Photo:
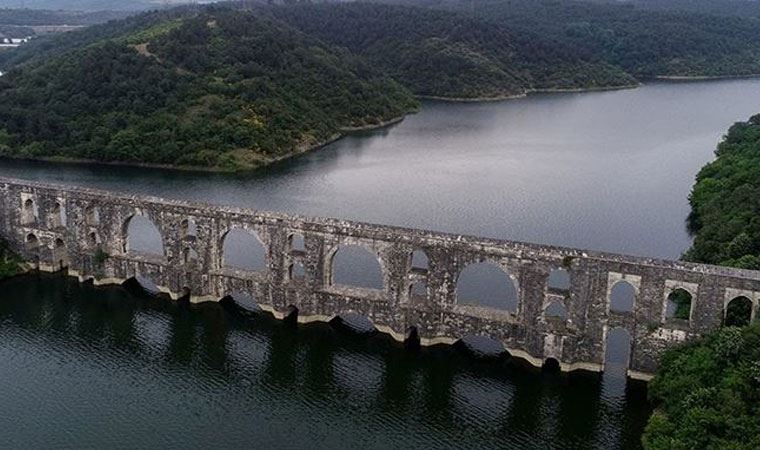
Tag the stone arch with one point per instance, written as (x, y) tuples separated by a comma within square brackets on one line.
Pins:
[(189, 228), (60, 253), (678, 304), (92, 215), (487, 284), (243, 300), (618, 349), (354, 322), (244, 249), (28, 211), (32, 241), (93, 239), (356, 265), (738, 312), (559, 279), (556, 310), (551, 365), (622, 297), (296, 242), (189, 255), (57, 215), (418, 260), (296, 271), (142, 235)]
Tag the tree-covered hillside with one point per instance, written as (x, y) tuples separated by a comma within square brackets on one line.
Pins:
[(442, 54), (222, 88), (725, 202), (642, 42)]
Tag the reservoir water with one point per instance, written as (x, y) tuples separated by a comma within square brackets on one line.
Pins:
[(606, 171)]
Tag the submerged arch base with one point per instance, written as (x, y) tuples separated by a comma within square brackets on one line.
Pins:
[(400, 337)]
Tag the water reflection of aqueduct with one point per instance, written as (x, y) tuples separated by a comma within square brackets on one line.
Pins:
[(542, 303)]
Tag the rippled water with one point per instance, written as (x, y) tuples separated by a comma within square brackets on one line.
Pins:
[(99, 368)]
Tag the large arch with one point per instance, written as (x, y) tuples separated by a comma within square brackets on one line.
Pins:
[(738, 312), (143, 236), (617, 349), (354, 265), (678, 304), (487, 285), (243, 249)]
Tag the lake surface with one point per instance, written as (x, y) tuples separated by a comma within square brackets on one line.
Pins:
[(99, 368), (606, 171)]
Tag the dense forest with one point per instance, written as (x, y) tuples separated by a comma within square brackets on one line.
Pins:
[(221, 89), (725, 202), (642, 42), (707, 394), (440, 54)]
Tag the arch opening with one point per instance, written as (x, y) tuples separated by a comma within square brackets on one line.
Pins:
[(738, 312), (58, 216), (244, 300), (32, 241), (296, 271), (143, 236), (189, 228), (678, 305), (28, 212), (418, 290), (92, 215), (242, 249), (142, 285), (60, 254), (482, 346), (296, 242), (556, 310), (622, 297), (353, 265), (487, 285), (617, 351), (354, 323), (551, 365), (93, 239), (559, 280), (419, 260)]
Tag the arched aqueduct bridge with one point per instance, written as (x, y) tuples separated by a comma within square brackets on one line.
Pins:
[(567, 301)]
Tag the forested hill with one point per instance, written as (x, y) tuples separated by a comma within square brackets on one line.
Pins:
[(217, 89), (644, 43), (440, 54), (725, 202)]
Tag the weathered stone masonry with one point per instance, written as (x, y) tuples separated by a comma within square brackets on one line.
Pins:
[(61, 228)]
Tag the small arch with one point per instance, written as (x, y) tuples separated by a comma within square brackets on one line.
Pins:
[(617, 349), (296, 242), (59, 244), (412, 340), (243, 249), (418, 290), (93, 239), (353, 322), (58, 216), (487, 285), (92, 215), (551, 365), (142, 235), (296, 271), (559, 279), (244, 300), (419, 260), (556, 309), (189, 228), (678, 305), (622, 297), (32, 240), (190, 255), (291, 315), (353, 265), (28, 212), (738, 312), (482, 346)]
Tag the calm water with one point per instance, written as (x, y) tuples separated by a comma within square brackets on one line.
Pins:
[(607, 171), (87, 368)]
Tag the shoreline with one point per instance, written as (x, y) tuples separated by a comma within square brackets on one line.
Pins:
[(528, 93), (342, 132), (687, 78)]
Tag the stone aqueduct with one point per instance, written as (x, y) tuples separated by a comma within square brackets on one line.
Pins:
[(84, 232)]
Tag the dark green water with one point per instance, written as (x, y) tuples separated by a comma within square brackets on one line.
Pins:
[(100, 368)]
